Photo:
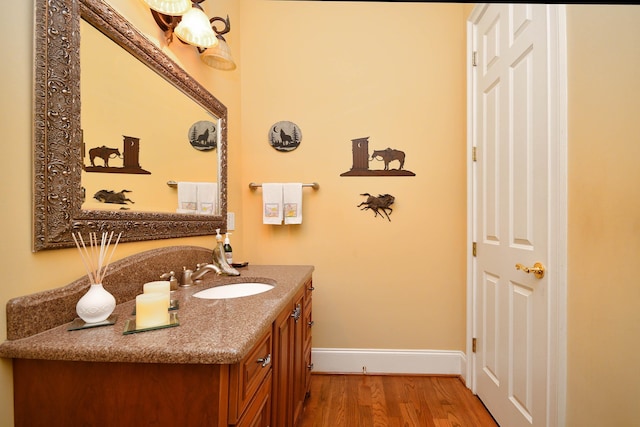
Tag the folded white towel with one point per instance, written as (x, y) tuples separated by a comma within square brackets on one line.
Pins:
[(207, 197), (272, 203), (292, 200), (187, 197)]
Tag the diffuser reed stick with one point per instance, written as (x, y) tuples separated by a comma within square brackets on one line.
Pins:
[(93, 258)]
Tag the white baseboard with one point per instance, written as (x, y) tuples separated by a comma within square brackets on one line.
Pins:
[(376, 361)]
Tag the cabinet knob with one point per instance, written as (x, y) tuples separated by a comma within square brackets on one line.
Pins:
[(310, 366), (297, 313), (311, 324), (265, 360)]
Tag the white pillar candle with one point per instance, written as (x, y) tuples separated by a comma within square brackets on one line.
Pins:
[(151, 310), (160, 286)]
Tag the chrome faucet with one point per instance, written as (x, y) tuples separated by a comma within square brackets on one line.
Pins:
[(219, 265), (190, 278)]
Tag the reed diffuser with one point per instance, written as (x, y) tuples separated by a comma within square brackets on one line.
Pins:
[(97, 304)]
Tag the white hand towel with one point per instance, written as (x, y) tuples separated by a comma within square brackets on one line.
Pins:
[(207, 197), (187, 197), (272, 203), (292, 200)]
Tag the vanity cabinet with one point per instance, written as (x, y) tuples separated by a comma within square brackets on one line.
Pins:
[(292, 355), (69, 393), (267, 387)]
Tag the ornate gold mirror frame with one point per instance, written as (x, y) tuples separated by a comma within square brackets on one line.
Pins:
[(57, 135)]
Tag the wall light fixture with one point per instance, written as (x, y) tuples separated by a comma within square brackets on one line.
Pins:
[(192, 26)]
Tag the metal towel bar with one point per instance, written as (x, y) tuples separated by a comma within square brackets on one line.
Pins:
[(314, 185)]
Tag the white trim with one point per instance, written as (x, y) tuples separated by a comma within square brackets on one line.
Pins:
[(385, 361), (558, 192), (477, 11)]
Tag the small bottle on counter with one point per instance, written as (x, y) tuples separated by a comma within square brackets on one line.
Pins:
[(228, 252), (218, 242)]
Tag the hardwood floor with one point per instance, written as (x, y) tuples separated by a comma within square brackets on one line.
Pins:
[(392, 401)]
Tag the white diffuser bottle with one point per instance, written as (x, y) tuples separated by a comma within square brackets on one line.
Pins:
[(96, 305)]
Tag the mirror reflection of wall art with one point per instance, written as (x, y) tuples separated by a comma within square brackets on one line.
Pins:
[(203, 135), (99, 158), (110, 196), (285, 136)]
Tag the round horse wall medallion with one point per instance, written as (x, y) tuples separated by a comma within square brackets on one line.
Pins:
[(203, 135), (285, 136)]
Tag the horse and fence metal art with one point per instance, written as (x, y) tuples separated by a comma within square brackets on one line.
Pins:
[(362, 160)]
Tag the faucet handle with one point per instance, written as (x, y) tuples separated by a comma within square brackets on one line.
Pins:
[(186, 280), (173, 282)]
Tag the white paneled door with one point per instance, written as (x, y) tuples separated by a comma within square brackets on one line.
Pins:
[(514, 137)]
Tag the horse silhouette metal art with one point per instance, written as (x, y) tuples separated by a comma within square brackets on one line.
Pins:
[(380, 205), (105, 153), (389, 155)]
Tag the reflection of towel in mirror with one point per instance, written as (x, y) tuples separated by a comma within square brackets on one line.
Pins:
[(187, 197), (292, 199), (272, 203), (207, 196)]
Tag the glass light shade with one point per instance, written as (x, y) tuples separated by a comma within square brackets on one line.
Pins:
[(195, 29), (219, 57), (170, 7)]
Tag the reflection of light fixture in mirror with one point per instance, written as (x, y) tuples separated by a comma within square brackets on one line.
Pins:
[(169, 7), (219, 56)]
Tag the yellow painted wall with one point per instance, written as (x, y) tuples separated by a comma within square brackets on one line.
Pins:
[(604, 216), (345, 70), (380, 284)]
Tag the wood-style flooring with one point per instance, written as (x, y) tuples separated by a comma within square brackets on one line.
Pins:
[(392, 401)]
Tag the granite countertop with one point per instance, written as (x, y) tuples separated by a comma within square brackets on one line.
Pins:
[(210, 331)]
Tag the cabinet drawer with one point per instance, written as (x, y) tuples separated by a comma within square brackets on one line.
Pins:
[(246, 376), (258, 414)]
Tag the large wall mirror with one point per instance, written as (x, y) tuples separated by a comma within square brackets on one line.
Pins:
[(67, 126)]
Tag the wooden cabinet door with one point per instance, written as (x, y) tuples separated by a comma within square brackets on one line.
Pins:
[(282, 368), (292, 356), (299, 367), (308, 327)]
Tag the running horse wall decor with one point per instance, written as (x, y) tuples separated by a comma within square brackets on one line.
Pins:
[(130, 158), (390, 158), (380, 205)]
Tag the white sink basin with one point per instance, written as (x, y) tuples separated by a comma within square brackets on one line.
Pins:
[(235, 290)]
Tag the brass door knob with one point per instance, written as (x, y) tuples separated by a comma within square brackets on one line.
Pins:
[(537, 269)]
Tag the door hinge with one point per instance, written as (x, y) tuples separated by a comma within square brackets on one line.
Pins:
[(474, 249), (474, 342), (474, 59), (474, 154)]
